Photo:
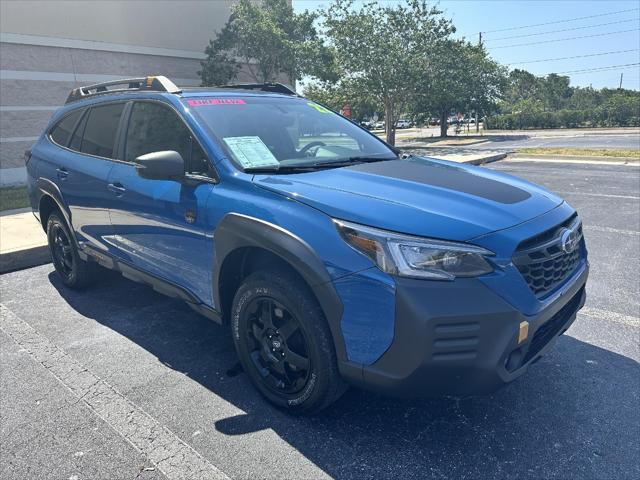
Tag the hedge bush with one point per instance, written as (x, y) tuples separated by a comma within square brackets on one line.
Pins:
[(598, 117)]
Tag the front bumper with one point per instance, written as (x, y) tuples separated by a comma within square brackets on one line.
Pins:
[(461, 338)]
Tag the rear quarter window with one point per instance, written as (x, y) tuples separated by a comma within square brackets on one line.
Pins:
[(62, 131), (100, 131)]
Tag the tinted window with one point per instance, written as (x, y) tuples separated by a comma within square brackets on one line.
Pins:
[(61, 132), (154, 128), (100, 132)]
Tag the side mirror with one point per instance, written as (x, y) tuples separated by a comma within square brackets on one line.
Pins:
[(166, 165)]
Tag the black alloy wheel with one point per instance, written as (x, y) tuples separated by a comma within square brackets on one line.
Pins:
[(61, 251), (284, 343), (74, 272), (277, 346)]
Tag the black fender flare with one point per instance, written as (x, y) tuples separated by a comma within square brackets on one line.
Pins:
[(50, 189), (238, 231)]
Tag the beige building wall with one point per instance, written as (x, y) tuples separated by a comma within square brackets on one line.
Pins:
[(49, 47)]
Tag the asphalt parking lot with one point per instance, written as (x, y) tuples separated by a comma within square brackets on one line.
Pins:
[(119, 382), (619, 142)]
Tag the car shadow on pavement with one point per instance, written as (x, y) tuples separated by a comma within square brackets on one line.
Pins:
[(573, 415)]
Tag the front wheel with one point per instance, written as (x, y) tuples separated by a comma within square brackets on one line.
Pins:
[(284, 342)]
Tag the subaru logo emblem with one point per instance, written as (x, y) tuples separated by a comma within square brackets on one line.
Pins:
[(569, 240)]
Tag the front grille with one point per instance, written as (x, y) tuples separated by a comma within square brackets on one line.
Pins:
[(542, 261), (552, 327)]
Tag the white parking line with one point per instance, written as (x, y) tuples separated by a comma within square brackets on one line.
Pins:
[(631, 197), (171, 455), (611, 316), (597, 228), (590, 162)]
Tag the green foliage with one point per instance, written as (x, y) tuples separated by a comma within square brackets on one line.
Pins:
[(399, 59), (268, 40), (460, 77), (615, 114), (336, 95), (13, 197), (383, 49), (550, 102)]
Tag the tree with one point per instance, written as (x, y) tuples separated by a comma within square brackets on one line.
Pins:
[(268, 39), (585, 98), (523, 85), (459, 77), (555, 91), (384, 50), (337, 95)]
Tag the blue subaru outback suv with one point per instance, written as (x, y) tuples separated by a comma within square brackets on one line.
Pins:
[(334, 260)]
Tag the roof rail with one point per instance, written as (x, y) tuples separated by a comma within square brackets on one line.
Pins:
[(154, 83), (265, 87)]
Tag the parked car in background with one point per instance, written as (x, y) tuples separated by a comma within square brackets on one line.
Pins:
[(403, 124), (332, 260), (380, 125)]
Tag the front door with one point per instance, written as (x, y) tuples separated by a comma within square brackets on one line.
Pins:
[(160, 226)]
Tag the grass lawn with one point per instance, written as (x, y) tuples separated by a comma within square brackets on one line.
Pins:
[(13, 197), (582, 152)]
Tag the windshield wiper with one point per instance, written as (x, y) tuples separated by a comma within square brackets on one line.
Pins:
[(342, 162), (366, 159), (280, 168)]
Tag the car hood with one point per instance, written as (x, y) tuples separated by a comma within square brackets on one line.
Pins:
[(418, 196)]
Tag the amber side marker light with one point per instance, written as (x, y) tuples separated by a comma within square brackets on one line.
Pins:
[(523, 332)]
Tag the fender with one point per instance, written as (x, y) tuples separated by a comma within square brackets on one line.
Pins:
[(237, 231), (47, 187)]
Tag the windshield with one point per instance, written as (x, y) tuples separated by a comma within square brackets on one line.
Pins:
[(261, 132)]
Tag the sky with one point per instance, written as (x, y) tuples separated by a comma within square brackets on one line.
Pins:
[(614, 26)]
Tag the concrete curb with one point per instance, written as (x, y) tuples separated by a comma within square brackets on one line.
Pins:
[(27, 258), (488, 159), (576, 157), (477, 160)]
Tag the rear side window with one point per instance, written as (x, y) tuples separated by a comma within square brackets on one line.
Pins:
[(62, 131), (100, 131), (154, 128)]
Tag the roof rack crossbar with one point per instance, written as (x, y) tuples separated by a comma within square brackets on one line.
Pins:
[(265, 87), (154, 83)]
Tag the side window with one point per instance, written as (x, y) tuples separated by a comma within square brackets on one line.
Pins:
[(100, 131), (62, 131), (154, 128)]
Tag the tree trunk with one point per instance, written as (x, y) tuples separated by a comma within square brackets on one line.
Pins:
[(389, 123), (443, 123)]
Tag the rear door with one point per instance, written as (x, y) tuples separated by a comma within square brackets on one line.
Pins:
[(160, 226), (82, 169)]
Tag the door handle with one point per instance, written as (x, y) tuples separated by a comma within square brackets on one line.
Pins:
[(62, 172), (116, 188)]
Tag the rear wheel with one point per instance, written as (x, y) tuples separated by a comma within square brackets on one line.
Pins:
[(74, 272), (284, 342)]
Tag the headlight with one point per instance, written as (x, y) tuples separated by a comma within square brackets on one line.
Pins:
[(415, 257)]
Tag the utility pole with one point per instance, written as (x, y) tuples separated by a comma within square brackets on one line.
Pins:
[(620, 87), (479, 38)]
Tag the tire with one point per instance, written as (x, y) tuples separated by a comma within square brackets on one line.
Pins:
[(284, 343), (74, 272)]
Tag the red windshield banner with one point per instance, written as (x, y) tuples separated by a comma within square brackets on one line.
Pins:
[(215, 101)]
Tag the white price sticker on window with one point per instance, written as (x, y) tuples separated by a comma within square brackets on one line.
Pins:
[(251, 152)]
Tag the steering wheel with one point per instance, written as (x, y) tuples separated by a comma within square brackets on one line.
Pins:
[(310, 145)]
